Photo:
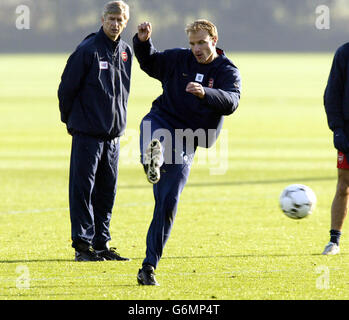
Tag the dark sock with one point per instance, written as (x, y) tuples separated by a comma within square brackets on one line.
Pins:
[(100, 246), (335, 236), (147, 266), (80, 245)]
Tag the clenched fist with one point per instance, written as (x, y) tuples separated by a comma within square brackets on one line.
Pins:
[(144, 31), (196, 89)]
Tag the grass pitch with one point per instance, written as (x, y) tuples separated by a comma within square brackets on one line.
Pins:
[(229, 241)]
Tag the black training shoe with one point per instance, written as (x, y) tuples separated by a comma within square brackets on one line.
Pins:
[(111, 254), (146, 276), (88, 254)]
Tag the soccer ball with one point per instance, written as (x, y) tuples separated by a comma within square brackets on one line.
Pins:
[(297, 201)]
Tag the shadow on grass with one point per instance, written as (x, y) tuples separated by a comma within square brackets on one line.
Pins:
[(36, 260), (252, 255), (238, 183), (266, 255), (64, 295)]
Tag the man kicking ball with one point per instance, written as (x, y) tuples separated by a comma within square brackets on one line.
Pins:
[(200, 86)]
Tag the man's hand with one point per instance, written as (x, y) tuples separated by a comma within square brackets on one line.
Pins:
[(340, 140), (144, 31), (196, 89)]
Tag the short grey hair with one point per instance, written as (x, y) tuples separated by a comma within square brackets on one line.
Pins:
[(116, 7)]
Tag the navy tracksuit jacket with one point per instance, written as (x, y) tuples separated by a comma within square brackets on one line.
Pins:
[(93, 96), (95, 86), (177, 109), (336, 96)]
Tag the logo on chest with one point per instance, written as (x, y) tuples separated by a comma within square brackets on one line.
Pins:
[(199, 77), (124, 56), (103, 65)]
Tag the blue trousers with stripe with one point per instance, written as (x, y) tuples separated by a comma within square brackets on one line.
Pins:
[(174, 175), (92, 188)]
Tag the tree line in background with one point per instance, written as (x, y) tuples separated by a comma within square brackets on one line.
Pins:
[(243, 25)]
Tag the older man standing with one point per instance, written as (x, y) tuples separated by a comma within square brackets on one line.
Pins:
[(93, 96)]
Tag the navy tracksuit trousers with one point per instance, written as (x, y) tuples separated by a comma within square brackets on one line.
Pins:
[(92, 188), (174, 175)]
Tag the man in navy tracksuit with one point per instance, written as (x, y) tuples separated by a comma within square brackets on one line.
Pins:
[(93, 96), (200, 86), (336, 99)]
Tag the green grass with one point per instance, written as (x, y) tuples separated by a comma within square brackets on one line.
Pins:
[(229, 241)]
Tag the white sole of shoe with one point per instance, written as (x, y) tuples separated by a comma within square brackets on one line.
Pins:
[(153, 169)]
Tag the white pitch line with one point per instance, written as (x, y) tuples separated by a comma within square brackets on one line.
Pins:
[(185, 274), (127, 204), (34, 211), (44, 210)]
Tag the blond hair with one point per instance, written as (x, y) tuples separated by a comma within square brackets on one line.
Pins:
[(205, 25), (116, 7)]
